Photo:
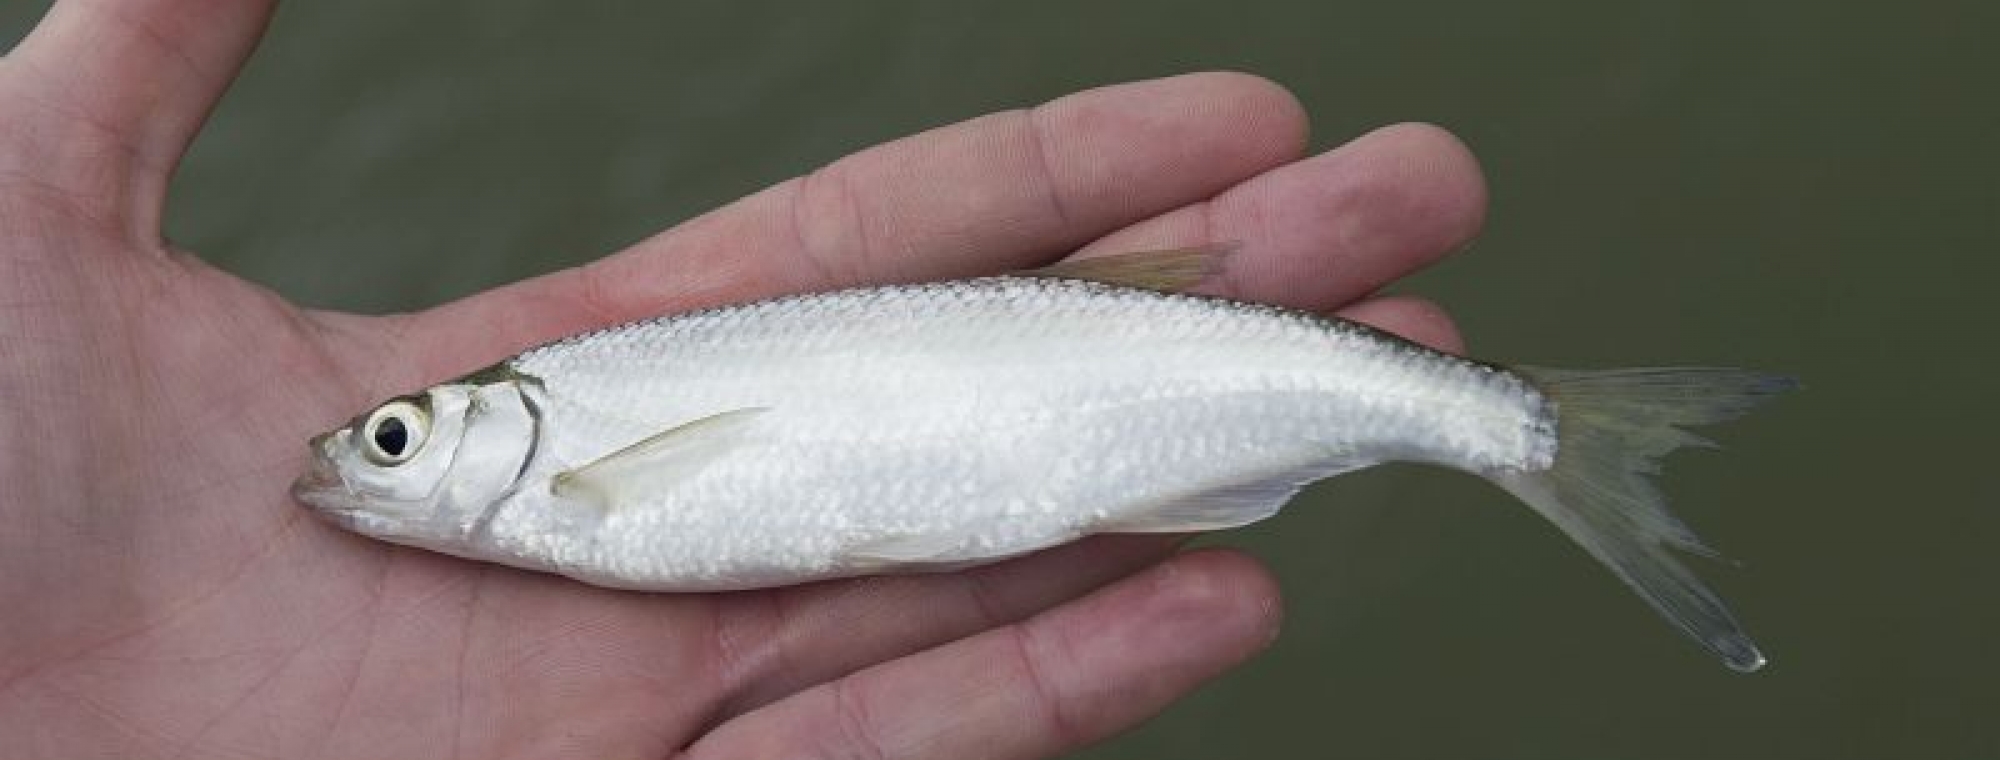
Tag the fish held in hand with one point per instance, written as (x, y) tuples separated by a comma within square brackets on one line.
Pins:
[(933, 426)]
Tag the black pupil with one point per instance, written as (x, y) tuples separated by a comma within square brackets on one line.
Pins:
[(391, 436)]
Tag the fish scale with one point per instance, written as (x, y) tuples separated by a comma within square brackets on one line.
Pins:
[(884, 395), (931, 426)]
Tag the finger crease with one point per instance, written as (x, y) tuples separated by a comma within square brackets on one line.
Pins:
[(1206, 218), (777, 651), (1038, 144), (813, 249), (750, 644), (855, 724), (980, 593), (153, 34), (1045, 693), (864, 243), (595, 298)]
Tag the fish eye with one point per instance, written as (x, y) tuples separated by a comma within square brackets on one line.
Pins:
[(394, 433)]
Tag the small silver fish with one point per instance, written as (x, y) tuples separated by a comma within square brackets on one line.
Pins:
[(933, 426)]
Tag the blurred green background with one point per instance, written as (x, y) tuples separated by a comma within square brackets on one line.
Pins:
[(1791, 185)]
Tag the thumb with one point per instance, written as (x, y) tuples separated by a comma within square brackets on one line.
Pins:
[(123, 85)]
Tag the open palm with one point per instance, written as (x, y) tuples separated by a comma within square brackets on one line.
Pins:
[(161, 595)]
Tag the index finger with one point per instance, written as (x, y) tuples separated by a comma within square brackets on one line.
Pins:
[(1055, 682), (1008, 190)]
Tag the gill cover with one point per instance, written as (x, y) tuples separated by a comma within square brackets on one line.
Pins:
[(463, 448)]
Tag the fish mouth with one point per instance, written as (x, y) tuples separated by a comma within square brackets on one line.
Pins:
[(328, 498), (320, 492), (321, 487)]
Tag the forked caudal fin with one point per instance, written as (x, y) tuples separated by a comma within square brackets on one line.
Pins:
[(1612, 427)]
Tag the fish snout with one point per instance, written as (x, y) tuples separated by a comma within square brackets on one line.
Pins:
[(321, 484)]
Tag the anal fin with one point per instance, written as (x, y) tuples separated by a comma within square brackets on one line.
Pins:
[(1231, 505), (942, 551), (1224, 505)]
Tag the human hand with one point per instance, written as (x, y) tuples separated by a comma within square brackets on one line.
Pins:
[(163, 595)]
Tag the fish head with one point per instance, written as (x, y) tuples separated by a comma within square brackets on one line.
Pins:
[(425, 469)]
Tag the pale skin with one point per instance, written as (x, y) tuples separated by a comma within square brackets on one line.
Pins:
[(161, 595)]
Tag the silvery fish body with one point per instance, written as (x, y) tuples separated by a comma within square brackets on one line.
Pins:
[(974, 420), (934, 426)]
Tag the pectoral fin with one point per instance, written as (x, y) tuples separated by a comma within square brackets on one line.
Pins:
[(1168, 271), (657, 460)]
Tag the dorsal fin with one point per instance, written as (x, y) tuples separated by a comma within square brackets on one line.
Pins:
[(1173, 270)]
